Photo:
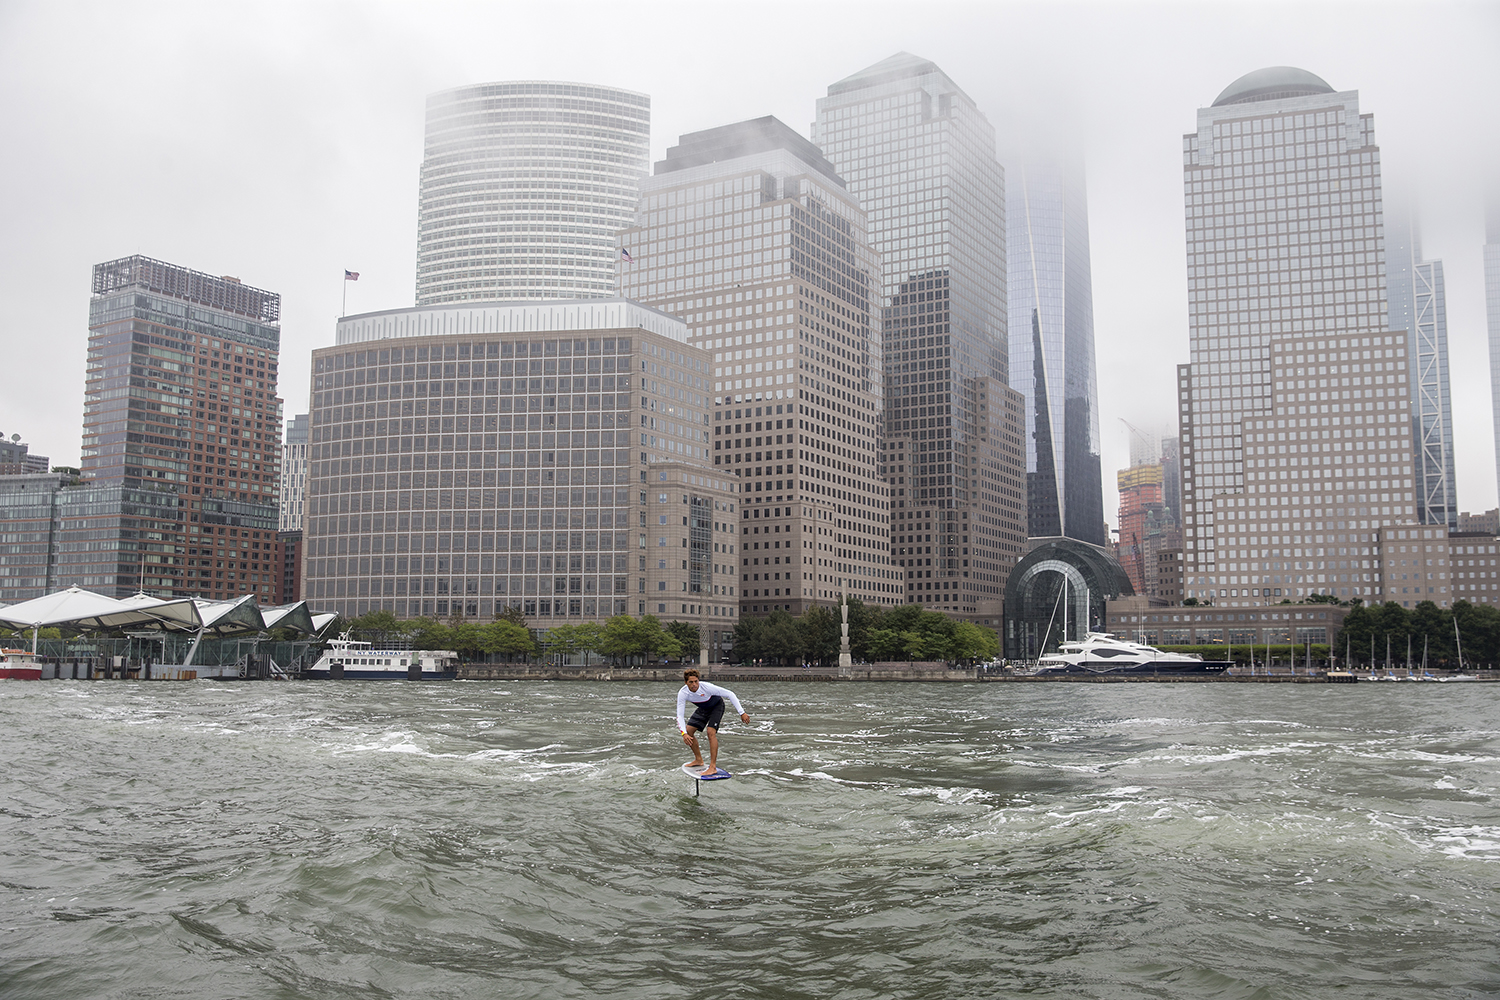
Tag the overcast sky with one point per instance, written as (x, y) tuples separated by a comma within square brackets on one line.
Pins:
[(280, 143)]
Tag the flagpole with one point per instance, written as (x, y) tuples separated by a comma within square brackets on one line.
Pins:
[(344, 309)]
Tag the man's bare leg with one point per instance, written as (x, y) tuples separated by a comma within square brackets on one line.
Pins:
[(713, 748), (692, 737)]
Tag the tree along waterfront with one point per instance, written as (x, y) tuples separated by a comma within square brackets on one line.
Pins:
[(875, 634), (622, 639), (1368, 629)]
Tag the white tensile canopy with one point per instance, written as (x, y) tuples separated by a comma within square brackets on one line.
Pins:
[(81, 610)]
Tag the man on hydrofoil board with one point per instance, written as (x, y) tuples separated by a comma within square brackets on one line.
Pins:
[(708, 700)]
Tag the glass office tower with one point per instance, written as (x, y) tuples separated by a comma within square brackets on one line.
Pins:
[(747, 233), (1052, 348), (920, 157), (523, 187), (1417, 303), (1295, 410)]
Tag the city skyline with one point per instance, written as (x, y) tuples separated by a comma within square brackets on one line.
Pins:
[(347, 203)]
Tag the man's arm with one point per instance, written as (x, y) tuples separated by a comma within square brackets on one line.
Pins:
[(681, 703), (724, 692)]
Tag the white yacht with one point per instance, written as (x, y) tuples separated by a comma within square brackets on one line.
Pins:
[(349, 660), (1103, 653)]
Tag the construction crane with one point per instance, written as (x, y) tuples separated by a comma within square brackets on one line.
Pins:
[(1144, 446)]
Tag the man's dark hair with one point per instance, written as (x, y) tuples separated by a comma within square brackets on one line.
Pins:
[(691, 673)]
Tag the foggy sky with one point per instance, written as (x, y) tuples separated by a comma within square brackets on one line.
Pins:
[(280, 143)]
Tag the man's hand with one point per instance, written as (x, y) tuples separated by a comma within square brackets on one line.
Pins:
[(744, 717), (686, 739)]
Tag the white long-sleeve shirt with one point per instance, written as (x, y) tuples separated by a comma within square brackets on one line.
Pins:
[(705, 691)]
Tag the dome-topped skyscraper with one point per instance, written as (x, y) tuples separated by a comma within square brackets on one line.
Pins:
[(1272, 84), (1299, 407)]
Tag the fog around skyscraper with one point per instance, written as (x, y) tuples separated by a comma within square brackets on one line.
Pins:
[(1052, 346), (288, 147)]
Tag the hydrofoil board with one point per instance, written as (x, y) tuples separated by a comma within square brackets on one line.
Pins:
[(702, 773)]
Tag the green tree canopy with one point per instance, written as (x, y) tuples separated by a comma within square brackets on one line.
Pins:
[(508, 639), (688, 637)]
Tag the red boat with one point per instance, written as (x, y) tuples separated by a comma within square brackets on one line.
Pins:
[(17, 664)]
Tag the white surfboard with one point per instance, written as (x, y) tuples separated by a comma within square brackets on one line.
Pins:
[(702, 773)]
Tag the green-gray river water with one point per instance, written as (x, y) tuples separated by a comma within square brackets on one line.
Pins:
[(437, 840)]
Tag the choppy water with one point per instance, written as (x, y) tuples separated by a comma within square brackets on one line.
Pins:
[(537, 840)]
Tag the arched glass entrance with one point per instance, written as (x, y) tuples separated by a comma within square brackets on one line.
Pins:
[(1058, 591)]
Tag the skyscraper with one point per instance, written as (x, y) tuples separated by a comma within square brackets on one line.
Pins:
[(1417, 305), (920, 157), (1052, 349), (181, 437), (1492, 310), (524, 185), (748, 234), (293, 473), (1295, 409)]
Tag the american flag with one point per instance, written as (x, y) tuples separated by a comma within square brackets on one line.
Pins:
[(625, 256), (351, 275)]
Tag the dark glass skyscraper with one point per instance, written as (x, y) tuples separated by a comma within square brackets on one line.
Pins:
[(1052, 349), (920, 157)]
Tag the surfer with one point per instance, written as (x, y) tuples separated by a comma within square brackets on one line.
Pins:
[(708, 700)]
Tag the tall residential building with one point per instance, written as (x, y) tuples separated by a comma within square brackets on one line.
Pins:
[(920, 157), (293, 485), (524, 185), (181, 440), (1295, 409), (552, 457), (1417, 305), (1052, 348), (748, 234), (1492, 310)]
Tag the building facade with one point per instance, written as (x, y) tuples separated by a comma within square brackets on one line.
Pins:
[(16, 458), (1138, 620), (1296, 411), (30, 523), (523, 187), (293, 484), (748, 234), (1476, 567), (550, 457), (1051, 334), (919, 156), (1418, 306), (181, 439)]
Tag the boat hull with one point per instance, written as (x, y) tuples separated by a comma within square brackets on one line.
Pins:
[(1167, 667), (20, 673), (372, 674)]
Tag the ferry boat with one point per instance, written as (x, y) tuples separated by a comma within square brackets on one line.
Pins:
[(350, 660), (1103, 653), (19, 665)]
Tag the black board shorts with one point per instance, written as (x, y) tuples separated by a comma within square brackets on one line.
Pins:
[(708, 715)]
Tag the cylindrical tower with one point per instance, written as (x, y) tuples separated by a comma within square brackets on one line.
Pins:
[(523, 188)]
